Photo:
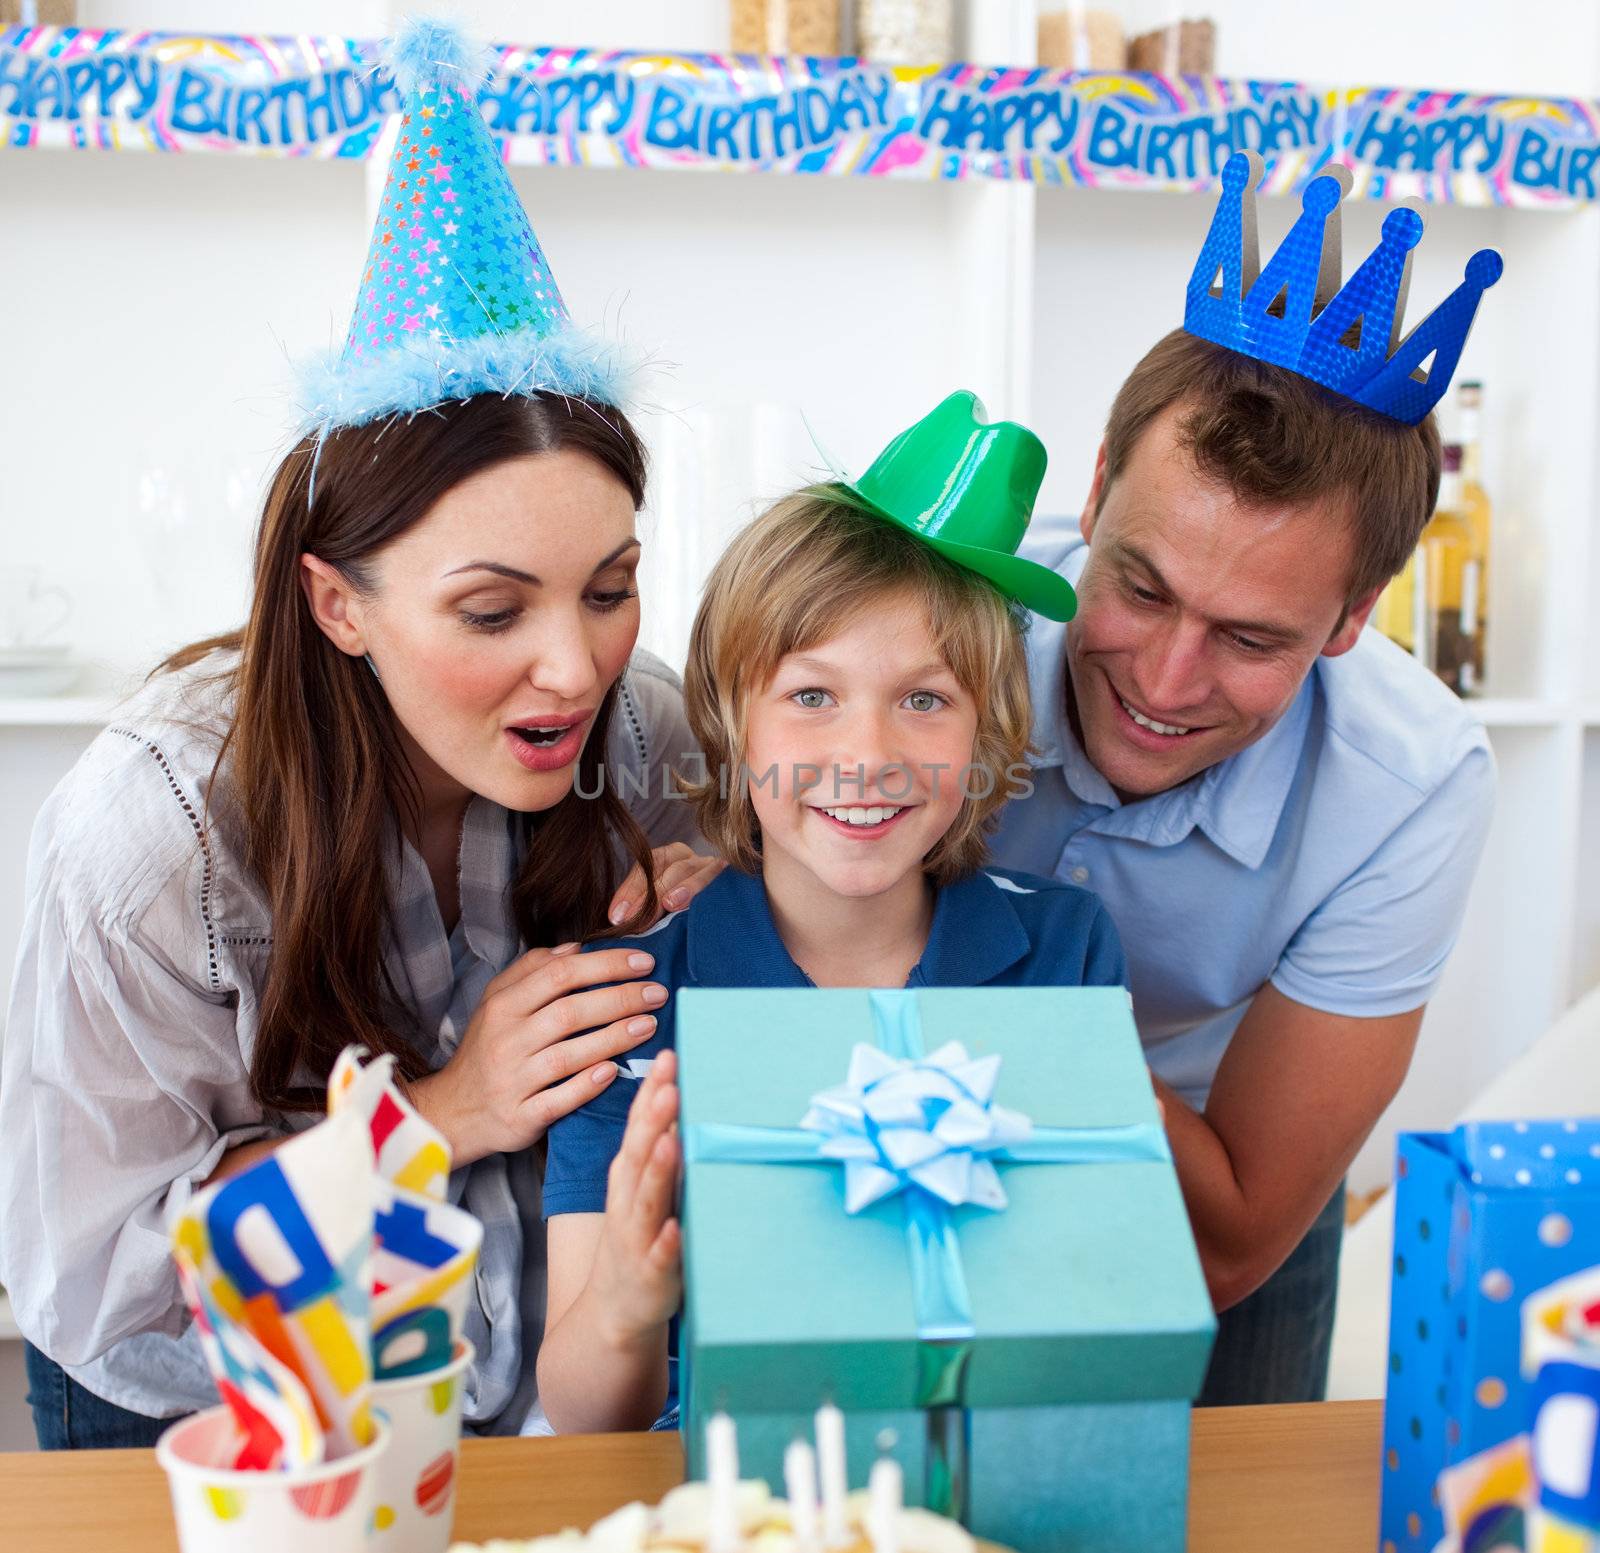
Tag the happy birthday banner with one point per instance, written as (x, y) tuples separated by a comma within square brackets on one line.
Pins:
[(326, 97)]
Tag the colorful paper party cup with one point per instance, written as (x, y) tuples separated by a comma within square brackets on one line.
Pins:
[(326, 1508), (416, 1503)]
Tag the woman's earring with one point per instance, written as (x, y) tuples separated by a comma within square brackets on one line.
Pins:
[(374, 667)]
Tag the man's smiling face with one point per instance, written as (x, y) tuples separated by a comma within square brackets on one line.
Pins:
[(1198, 617)]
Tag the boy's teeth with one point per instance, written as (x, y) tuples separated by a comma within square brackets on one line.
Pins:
[(859, 816), (1151, 723)]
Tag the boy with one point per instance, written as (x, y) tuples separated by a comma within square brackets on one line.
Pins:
[(857, 680)]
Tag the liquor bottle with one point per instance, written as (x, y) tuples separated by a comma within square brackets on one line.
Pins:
[(1475, 513), (1400, 606), (1443, 557)]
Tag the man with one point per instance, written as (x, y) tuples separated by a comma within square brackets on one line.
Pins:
[(1282, 812)]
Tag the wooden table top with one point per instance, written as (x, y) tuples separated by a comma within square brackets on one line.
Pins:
[(1264, 1480)]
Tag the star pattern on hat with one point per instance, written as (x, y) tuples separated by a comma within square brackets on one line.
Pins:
[(456, 297), (453, 253)]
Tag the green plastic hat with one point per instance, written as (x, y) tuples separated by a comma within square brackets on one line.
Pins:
[(966, 489)]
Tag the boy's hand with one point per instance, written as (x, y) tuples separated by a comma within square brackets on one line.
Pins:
[(636, 1283)]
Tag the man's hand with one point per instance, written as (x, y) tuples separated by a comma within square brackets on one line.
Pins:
[(1294, 1098)]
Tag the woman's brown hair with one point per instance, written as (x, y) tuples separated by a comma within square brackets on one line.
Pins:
[(315, 762)]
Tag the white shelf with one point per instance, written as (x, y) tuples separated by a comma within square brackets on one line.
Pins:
[(55, 711), (1515, 712), (95, 711)]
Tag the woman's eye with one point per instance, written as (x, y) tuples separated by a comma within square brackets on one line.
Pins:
[(490, 621), (811, 700), (925, 701), (615, 599)]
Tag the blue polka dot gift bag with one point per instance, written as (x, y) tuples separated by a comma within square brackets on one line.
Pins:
[(1492, 1416)]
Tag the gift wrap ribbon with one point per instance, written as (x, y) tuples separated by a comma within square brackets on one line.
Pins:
[(936, 1156)]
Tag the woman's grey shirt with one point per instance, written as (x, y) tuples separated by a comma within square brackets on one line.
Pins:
[(133, 1014)]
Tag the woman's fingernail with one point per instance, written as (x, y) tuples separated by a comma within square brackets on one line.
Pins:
[(604, 1073), (621, 912), (654, 994), (677, 899), (640, 961), (563, 949), (643, 1025)]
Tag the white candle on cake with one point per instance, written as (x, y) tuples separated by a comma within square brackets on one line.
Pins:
[(725, 1535), (800, 1483), (885, 1497), (833, 1473)]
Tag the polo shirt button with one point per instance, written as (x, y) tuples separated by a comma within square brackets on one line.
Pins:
[(1080, 874)]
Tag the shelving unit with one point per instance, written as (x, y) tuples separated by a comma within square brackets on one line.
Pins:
[(54, 711), (858, 303)]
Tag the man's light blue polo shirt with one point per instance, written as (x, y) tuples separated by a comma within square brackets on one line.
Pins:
[(991, 929), (1332, 857)]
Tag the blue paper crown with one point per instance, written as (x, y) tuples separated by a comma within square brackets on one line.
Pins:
[(1295, 314)]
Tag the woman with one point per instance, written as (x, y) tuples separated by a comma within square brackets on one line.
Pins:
[(349, 820)]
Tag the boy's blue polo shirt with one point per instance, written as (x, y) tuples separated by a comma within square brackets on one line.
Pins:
[(997, 928)]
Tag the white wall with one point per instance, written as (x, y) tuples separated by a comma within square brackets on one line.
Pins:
[(166, 294)]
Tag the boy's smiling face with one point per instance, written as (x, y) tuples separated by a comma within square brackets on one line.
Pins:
[(870, 720)]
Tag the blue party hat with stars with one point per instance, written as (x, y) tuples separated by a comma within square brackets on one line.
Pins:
[(1294, 313), (456, 296)]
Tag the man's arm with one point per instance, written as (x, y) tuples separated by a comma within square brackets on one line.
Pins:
[(1294, 1098), (1326, 1043)]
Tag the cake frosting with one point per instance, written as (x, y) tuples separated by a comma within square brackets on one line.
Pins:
[(681, 1524)]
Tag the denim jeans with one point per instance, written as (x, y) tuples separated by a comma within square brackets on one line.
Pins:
[(70, 1417), (1273, 1346)]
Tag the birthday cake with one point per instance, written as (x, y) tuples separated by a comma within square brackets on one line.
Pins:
[(682, 1523)]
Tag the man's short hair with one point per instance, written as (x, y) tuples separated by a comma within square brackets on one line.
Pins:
[(1275, 438), (803, 571)]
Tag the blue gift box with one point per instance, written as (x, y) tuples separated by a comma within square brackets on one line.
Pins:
[(1485, 1217), (1063, 1408)]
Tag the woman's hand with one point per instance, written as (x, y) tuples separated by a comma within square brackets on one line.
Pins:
[(681, 874), (523, 1063), (636, 1283)]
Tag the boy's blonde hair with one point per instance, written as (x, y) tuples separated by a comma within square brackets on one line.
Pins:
[(799, 574)]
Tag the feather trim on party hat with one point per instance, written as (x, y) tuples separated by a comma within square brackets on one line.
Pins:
[(435, 51), (456, 296)]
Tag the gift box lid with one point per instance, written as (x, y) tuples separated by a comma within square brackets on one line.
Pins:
[(1087, 1287)]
